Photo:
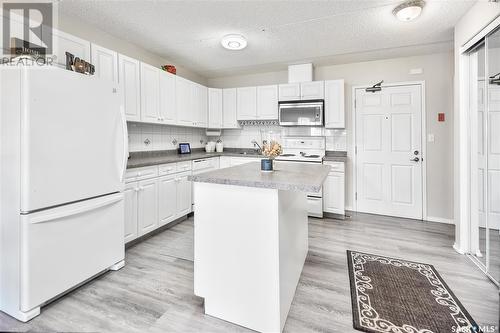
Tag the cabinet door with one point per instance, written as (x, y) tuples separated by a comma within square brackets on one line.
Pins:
[(229, 108), (147, 206), (225, 162), (130, 194), (289, 92), (184, 101), (168, 112), (105, 62), (64, 42), (129, 78), (202, 109), (334, 104), (333, 193), (184, 203), (243, 160), (214, 108), (312, 90), (150, 93), (167, 199), (267, 102), (246, 103)]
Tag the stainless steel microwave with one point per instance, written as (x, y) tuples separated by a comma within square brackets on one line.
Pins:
[(301, 113)]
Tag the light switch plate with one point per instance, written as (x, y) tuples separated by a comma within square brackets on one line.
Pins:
[(430, 137)]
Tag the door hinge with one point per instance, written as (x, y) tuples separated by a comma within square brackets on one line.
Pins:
[(356, 196), (355, 103), (355, 149)]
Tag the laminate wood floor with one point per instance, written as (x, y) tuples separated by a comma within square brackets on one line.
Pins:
[(154, 291)]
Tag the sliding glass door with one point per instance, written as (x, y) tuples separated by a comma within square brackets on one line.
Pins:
[(485, 154)]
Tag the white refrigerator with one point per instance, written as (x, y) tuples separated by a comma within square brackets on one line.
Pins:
[(63, 154)]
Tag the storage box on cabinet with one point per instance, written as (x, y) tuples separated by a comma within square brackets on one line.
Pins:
[(334, 189)]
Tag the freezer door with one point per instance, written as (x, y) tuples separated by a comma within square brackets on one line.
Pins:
[(74, 138), (64, 246)]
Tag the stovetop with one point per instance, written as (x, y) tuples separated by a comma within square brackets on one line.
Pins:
[(303, 149)]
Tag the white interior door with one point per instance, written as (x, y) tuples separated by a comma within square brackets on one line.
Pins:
[(389, 146), (494, 156)]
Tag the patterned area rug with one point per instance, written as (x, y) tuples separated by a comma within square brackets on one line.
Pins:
[(399, 296)]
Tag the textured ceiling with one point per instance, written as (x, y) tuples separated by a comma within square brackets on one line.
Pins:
[(278, 32)]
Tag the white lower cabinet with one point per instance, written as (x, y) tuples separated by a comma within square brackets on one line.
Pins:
[(156, 196), (334, 189), (131, 217), (184, 192), (147, 206), (167, 199)]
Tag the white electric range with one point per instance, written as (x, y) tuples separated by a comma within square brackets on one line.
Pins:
[(305, 150)]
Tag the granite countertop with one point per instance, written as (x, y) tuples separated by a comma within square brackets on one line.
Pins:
[(290, 177), (142, 159), (335, 156)]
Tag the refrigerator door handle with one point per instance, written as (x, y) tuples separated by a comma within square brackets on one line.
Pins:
[(78, 208), (125, 143)]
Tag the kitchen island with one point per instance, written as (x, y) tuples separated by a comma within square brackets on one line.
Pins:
[(251, 240)]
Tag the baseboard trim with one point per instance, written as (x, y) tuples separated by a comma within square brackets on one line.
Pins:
[(458, 249), (439, 220)]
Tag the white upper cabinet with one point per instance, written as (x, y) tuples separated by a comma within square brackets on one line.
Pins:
[(130, 86), (214, 108), (267, 102), (184, 101), (105, 62), (246, 103), (289, 92), (334, 104), (229, 108), (301, 91), (150, 94), (202, 109), (168, 112), (312, 90), (64, 42)]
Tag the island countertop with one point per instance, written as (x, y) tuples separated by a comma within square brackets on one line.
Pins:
[(289, 177)]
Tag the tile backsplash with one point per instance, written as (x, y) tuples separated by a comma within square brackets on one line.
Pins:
[(242, 138), (149, 137)]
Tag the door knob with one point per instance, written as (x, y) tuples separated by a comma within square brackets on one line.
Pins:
[(416, 152), (416, 159)]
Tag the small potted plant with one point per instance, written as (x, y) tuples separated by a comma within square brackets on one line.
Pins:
[(270, 149)]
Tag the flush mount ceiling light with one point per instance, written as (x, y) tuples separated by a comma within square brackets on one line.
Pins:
[(409, 10), (234, 42)]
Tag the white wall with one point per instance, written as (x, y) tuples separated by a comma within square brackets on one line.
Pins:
[(83, 30), (438, 75), (478, 17)]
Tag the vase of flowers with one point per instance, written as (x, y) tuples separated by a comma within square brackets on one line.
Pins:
[(270, 149)]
